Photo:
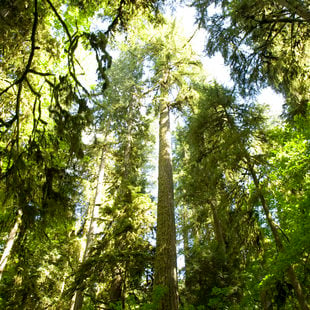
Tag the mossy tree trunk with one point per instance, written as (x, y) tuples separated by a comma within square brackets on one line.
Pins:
[(219, 235), (165, 261), (93, 215)]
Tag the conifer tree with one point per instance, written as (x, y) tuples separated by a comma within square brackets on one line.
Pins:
[(269, 46), (224, 139), (173, 63)]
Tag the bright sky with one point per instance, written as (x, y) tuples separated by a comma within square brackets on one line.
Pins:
[(215, 66)]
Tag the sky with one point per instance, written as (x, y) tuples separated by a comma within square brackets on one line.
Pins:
[(215, 66), (216, 70)]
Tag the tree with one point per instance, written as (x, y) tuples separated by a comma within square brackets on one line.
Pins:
[(268, 45), (173, 62), (45, 109), (226, 144), (282, 200), (165, 267), (93, 216), (10, 242), (212, 189), (119, 250), (35, 102)]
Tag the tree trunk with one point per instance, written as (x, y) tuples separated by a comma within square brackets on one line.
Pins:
[(290, 272), (10, 243), (185, 235), (77, 301), (218, 232), (116, 288), (165, 261)]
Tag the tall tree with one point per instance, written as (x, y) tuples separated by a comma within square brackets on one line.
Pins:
[(228, 138), (45, 109), (174, 62), (211, 188), (120, 250), (165, 264), (92, 224)]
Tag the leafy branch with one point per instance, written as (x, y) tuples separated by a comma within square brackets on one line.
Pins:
[(20, 80)]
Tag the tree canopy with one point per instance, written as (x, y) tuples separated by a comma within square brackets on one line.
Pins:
[(107, 181)]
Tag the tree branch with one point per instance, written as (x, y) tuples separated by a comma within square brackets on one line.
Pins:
[(33, 33), (26, 71), (60, 19), (33, 38), (280, 20), (116, 19), (40, 73), (296, 7)]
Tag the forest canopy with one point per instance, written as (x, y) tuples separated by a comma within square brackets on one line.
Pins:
[(152, 186)]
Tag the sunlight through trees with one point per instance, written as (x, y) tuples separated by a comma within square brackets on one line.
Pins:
[(81, 226)]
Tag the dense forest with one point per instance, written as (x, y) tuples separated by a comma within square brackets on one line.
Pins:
[(110, 180)]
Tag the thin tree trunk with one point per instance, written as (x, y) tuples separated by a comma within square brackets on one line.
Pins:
[(10, 242), (77, 301), (165, 261), (290, 272), (185, 236), (279, 244), (117, 292)]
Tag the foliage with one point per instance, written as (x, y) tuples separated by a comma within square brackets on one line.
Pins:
[(45, 109), (215, 185), (269, 44), (242, 182)]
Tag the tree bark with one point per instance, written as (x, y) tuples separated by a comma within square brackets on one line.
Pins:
[(116, 288), (10, 243), (77, 301), (290, 272), (165, 261), (218, 231)]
